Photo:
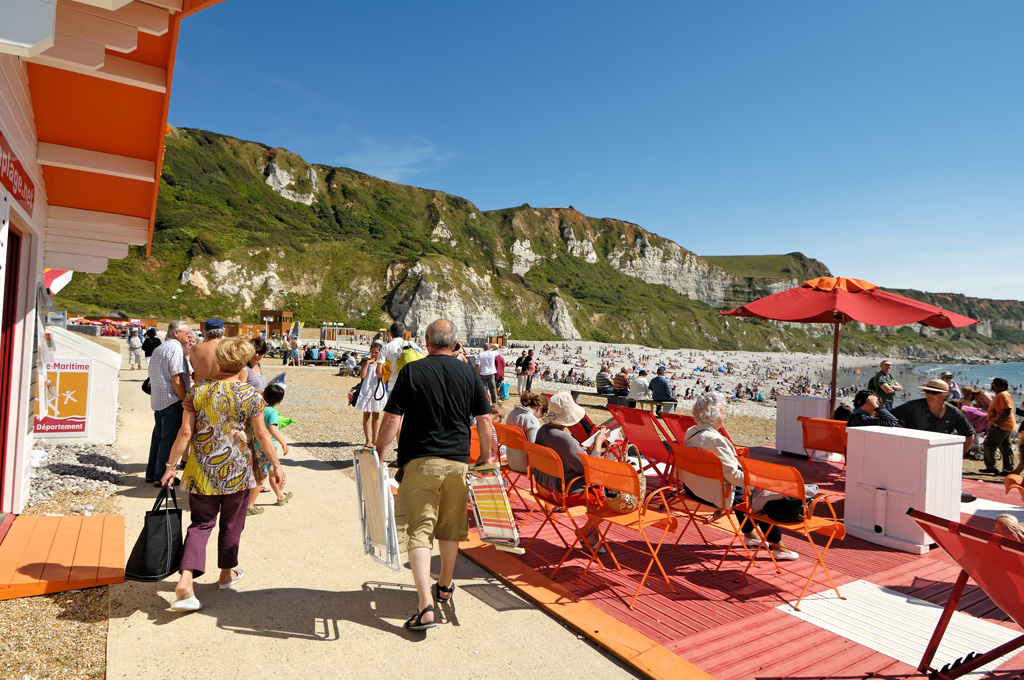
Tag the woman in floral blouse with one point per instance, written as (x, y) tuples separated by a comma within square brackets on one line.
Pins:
[(220, 415)]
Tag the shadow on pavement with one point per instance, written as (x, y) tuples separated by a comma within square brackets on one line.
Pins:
[(281, 613)]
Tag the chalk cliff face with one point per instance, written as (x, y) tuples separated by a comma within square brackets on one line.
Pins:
[(560, 319), (282, 181), (667, 264), (440, 289)]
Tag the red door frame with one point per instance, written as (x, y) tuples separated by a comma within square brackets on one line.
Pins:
[(8, 321)]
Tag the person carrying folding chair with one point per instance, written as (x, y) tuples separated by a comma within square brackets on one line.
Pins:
[(709, 412), (434, 401)]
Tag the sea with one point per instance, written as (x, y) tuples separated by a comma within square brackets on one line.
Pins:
[(912, 376)]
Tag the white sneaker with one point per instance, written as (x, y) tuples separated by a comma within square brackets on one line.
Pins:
[(189, 604), (752, 542), (783, 555)]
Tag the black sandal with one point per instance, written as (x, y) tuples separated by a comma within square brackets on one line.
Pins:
[(416, 622), (450, 591)]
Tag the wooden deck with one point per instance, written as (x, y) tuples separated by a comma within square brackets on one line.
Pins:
[(733, 630), (52, 554)]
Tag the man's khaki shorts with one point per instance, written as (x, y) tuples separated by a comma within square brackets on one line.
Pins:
[(431, 502)]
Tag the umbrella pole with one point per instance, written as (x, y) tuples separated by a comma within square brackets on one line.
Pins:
[(836, 329)]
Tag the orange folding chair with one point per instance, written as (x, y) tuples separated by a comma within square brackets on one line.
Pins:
[(787, 481), (678, 424), (705, 464), (822, 434), (621, 477), (643, 431), (514, 466), (541, 459), (1011, 482)]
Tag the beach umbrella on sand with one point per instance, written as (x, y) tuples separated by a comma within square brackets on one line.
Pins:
[(840, 300)]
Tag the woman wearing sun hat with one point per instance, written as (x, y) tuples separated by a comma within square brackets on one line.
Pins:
[(563, 411)]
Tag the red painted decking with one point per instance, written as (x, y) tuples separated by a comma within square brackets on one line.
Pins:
[(734, 630)]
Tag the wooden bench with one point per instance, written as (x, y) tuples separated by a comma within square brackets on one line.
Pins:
[(319, 362), (667, 406), (613, 399)]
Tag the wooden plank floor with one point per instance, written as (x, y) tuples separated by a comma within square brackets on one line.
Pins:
[(735, 629), (52, 554)]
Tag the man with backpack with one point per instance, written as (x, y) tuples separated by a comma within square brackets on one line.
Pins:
[(396, 354)]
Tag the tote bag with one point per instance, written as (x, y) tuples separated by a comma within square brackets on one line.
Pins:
[(157, 552)]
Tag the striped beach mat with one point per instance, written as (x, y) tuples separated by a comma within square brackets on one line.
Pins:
[(491, 510), (376, 509)]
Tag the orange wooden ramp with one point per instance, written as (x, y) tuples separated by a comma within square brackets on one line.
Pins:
[(52, 554)]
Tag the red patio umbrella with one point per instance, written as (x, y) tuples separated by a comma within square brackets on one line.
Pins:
[(839, 300)]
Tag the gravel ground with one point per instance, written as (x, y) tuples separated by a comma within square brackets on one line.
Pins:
[(63, 635)]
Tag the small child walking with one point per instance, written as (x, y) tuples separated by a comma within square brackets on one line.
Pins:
[(272, 395)]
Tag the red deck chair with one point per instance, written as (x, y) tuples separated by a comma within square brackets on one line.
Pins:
[(514, 465), (678, 424), (621, 477), (642, 430), (996, 563), (701, 463), (788, 481), (542, 459), (822, 434)]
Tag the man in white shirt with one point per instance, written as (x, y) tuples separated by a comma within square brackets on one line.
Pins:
[(487, 370), (392, 351)]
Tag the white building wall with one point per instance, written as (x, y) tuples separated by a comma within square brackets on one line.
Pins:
[(17, 124)]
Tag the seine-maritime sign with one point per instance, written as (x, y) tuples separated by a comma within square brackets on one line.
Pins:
[(64, 411), (14, 177)]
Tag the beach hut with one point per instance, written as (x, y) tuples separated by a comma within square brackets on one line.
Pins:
[(84, 94)]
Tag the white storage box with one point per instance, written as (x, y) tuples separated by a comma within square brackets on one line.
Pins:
[(789, 435), (890, 470)]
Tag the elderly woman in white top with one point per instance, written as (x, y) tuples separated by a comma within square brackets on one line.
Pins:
[(639, 388), (709, 412)]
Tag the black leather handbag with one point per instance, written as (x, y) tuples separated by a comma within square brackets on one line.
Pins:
[(157, 552)]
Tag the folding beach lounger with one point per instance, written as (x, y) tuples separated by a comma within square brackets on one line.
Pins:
[(376, 509), (491, 510), (996, 563)]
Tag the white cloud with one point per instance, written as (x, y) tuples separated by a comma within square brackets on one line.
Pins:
[(394, 161)]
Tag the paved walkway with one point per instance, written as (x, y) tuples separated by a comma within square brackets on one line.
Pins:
[(312, 605)]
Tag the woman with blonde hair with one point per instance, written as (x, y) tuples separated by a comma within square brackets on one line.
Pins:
[(220, 416)]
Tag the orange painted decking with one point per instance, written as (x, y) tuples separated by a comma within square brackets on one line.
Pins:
[(52, 554), (714, 626)]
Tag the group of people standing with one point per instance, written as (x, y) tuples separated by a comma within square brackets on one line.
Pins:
[(215, 414)]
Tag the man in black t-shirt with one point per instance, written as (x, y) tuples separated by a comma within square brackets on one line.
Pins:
[(933, 414), (434, 400)]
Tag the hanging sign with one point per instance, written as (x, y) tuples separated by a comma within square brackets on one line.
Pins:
[(14, 177), (63, 407)]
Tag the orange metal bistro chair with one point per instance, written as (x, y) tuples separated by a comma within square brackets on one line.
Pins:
[(822, 434), (678, 424), (642, 430), (514, 465), (1011, 482), (788, 482), (705, 464), (621, 477), (549, 501)]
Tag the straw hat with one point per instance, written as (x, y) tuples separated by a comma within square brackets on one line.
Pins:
[(936, 385), (562, 410)]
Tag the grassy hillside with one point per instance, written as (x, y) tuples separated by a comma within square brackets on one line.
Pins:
[(226, 244), (791, 265)]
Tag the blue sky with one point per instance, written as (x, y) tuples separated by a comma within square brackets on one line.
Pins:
[(882, 138)]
